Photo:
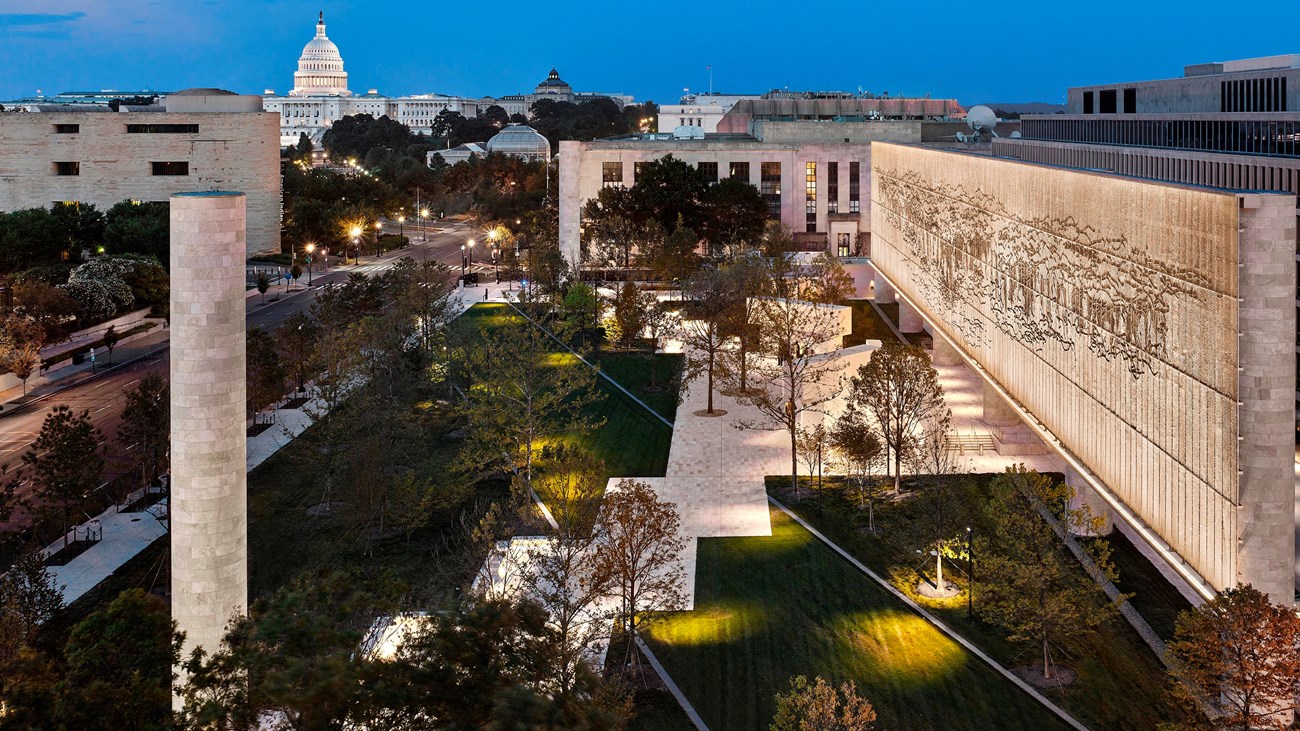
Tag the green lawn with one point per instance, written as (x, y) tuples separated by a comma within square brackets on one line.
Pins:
[(867, 325), (632, 442), (770, 608), (1121, 682)]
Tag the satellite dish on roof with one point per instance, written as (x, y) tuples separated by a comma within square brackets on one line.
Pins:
[(1015, 135), (981, 118)]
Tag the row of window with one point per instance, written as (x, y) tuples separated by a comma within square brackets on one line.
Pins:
[(611, 173), (134, 129), (1253, 95), (66, 168), (1280, 139), (1108, 102)]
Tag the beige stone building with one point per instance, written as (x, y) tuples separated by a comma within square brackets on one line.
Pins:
[(1143, 329), (197, 140)]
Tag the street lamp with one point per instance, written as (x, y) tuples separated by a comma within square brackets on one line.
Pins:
[(492, 239), (462, 265), (470, 244), (970, 577), (379, 226), (401, 229), (355, 233), (424, 213), (311, 250)]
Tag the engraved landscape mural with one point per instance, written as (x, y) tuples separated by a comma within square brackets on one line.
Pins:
[(1112, 326)]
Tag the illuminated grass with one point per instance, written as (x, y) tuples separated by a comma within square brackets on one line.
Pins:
[(770, 608)]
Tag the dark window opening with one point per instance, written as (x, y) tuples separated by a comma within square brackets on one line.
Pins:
[(1087, 102), (740, 170), (1107, 99), (67, 168), (855, 187), (1130, 101), (611, 172), (710, 171), (171, 168), (173, 129), (67, 129), (770, 187), (832, 187)]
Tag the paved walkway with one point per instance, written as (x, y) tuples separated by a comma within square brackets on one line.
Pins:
[(124, 536)]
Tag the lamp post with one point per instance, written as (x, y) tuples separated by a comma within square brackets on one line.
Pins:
[(970, 577), (424, 213), (355, 232), (462, 265), (492, 240), (379, 226), (311, 251), (401, 229), (470, 244)]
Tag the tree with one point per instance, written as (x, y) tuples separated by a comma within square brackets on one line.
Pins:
[(49, 308), (814, 449), (615, 227), (900, 389), (640, 548), (22, 360), (817, 707), (263, 284), (733, 217), (423, 294), (63, 462), (630, 313), (145, 430), (942, 519), (295, 338), (580, 300), (522, 395), (120, 662), (29, 597), (134, 227), (1236, 655), (110, 338), (668, 190), (562, 575), (265, 372), (798, 331), (747, 279), (854, 441), (706, 298), (672, 256), (1032, 585)]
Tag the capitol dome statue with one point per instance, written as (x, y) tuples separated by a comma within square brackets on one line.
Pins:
[(520, 140), (320, 67)]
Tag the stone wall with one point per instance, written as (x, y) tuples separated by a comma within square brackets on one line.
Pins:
[(231, 151), (1108, 308)]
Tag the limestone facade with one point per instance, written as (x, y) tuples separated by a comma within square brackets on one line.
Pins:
[(103, 158), (1145, 327), (209, 531)]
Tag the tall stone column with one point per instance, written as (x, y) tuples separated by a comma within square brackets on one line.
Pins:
[(944, 354), (997, 412), (1098, 509), (909, 320), (208, 437), (1266, 319), (884, 291), (570, 200)]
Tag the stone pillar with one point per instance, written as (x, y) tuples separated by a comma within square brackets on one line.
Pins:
[(209, 443), (570, 201), (909, 320), (997, 412), (944, 354), (884, 291), (1098, 509), (1266, 391)]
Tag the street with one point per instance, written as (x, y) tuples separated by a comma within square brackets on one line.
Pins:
[(104, 396)]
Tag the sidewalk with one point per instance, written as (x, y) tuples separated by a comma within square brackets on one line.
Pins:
[(43, 385)]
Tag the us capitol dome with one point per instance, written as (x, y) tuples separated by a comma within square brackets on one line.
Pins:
[(320, 67)]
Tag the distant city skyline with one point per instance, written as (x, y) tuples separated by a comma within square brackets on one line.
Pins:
[(973, 55)]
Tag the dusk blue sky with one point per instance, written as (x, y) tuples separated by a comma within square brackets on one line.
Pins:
[(973, 51)]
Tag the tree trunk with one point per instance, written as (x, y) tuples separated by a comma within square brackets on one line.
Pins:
[(794, 463), (898, 471), (938, 571), (1047, 668), (744, 362), (710, 409)]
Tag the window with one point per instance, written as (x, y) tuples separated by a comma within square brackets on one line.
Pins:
[(67, 168), (832, 187), (171, 168), (637, 167), (611, 172), (67, 129), (1087, 102), (1107, 99), (1130, 101), (844, 245), (770, 187), (709, 170), (739, 170), (173, 129), (810, 197), (855, 187)]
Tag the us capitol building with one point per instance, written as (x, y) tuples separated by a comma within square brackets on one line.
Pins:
[(320, 96)]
